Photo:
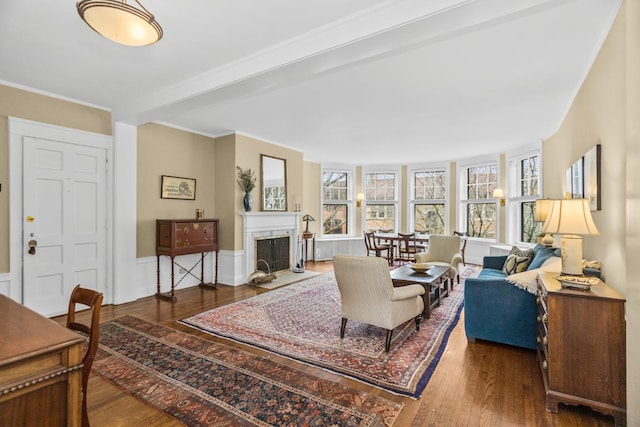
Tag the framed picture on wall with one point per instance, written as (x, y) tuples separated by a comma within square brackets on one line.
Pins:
[(575, 179), (592, 177), (174, 187)]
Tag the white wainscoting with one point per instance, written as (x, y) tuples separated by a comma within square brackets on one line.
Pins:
[(5, 284), (326, 248)]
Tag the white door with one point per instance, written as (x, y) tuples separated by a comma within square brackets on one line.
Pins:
[(64, 218)]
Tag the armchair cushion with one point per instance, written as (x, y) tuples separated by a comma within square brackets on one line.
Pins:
[(443, 250)]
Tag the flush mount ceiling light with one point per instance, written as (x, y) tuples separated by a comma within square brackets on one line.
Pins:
[(120, 22)]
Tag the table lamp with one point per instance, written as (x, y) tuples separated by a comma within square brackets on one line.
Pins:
[(572, 219), (543, 206), (307, 218)]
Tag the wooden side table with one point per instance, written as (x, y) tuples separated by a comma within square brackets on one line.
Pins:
[(309, 236)]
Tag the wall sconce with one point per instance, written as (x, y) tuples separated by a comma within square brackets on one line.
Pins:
[(359, 199), (498, 193)]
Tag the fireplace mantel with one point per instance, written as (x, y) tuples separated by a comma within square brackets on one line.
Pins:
[(266, 224)]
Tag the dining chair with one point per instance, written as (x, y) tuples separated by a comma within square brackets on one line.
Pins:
[(377, 248), (408, 247), (93, 300), (463, 245)]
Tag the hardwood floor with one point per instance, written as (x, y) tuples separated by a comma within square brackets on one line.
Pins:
[(475, 384)]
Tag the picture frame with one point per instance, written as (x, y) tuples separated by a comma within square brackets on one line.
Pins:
[(592, 184), (575, 180), (173, 187)]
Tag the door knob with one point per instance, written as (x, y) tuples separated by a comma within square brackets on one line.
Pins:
[(32, 246)]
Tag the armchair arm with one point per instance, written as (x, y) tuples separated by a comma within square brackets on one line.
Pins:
[(456, 259), (494, 262), (407, 292)]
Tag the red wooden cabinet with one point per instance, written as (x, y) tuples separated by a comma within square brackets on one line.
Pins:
[(175, 237)]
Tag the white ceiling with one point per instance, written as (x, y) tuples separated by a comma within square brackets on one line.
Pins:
[(354, 81)]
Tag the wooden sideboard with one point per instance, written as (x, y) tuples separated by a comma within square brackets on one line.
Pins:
[(176, 237), (582, 346), (40, 369)]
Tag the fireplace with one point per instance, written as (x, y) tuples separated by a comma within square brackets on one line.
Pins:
[(274, 251), (261, 226)]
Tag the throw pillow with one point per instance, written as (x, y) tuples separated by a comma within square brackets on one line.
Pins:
[(527, 253), (515, 264), (541, 255)]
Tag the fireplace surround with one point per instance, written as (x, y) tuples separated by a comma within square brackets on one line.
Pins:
[(264, 225)]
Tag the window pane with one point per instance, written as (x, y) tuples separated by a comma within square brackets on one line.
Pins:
[(380, 186), (481, 181), (429, 185), (429, 218), (481, 220), (530, 229), (380, 217), (334, 186), (529, 172), (334, 219)]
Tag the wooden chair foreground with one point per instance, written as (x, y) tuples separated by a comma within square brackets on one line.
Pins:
[(93, 300)]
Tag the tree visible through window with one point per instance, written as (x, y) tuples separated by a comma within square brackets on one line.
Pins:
[(429, 194), (480, 212), (528, 176), (335, 190)]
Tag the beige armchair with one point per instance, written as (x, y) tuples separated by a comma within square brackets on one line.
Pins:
[(368, 295), (443, 250)]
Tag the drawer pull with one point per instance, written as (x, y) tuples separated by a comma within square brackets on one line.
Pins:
[(545, 366)]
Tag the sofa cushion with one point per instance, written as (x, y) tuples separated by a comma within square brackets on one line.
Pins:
[(515, 264), (490, 273), (525, 253), (541, 254)]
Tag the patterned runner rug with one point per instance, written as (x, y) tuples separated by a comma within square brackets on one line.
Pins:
[(204, 383), (302, 321)]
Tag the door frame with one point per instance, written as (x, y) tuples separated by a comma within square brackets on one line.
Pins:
[(18, 129)]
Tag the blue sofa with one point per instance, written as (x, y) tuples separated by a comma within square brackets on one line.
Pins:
[(495, 310)]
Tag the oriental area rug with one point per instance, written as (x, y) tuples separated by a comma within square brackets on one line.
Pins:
[(203, 383), (302, 321)]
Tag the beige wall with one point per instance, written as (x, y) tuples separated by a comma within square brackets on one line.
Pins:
[(311, 195), (606, 111), (31, 106), (166, 151)]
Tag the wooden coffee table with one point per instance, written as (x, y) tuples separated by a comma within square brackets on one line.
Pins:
[(434, 281)]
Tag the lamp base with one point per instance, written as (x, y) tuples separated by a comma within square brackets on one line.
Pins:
[(571, 255), (547, 240)]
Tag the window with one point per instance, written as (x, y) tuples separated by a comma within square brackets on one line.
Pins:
[(428, 196), (525, 177), (335, 202), (381, 200), (479, 213)]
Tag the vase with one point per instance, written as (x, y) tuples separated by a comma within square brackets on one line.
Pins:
[(248, 202)]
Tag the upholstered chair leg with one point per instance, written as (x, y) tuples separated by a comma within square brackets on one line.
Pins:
[(387, 342), (343, 326), (418, 320)]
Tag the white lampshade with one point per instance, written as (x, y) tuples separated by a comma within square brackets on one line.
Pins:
[(572, 218), (498, 193), (120, 22), (543, 206)]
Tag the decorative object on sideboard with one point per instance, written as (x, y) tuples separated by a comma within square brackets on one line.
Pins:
[(173, 187), (199, 213), (120, 22), (572, 219), (247, 181), (498, 193), (543, 206)]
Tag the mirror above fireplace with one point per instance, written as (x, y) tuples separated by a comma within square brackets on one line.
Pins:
[(274, 183)]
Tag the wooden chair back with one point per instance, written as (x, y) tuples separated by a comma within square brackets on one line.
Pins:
[(463, 238), (93, 300)]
